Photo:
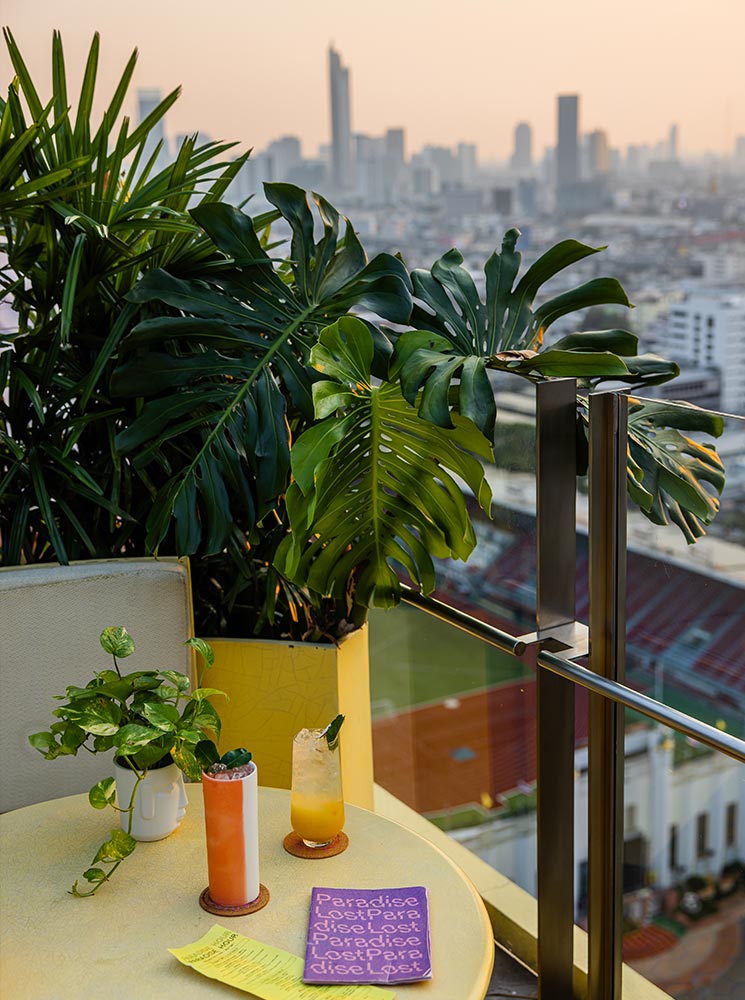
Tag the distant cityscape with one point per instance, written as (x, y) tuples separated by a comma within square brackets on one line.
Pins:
[(674, 230)]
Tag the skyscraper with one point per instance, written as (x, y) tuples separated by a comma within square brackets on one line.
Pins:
[(598, 153), (673, 142), (395, 158), (567, 146), (522, 156), (467, 158), (395, 144), (341, 124)]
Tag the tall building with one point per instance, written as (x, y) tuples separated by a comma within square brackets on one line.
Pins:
[(707, 330), (395, 160), (466, 155), (395, 144), (285, 156), (369, 163), (522, 156), (341, 124), (567, 145), (444, 163), (672, 142), (147, 101), (598, 153)]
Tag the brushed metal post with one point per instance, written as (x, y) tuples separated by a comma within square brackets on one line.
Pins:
[(607, 570), (555, 605)]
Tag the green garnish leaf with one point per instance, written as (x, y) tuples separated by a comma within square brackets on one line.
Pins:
[(331, 732), (236, 758)]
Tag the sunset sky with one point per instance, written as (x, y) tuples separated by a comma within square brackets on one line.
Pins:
[(462, 70)]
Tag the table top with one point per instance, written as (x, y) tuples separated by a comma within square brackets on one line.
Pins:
[(114, 944)]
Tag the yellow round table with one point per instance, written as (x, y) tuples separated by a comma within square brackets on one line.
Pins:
[(114, 945)]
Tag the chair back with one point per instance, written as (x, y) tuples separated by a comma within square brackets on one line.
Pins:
[(50, 619)]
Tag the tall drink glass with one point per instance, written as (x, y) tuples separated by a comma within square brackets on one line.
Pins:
[(317, 801)]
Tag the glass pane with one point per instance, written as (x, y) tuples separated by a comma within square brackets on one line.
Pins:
[(497, 584), (684, 880), (684, 864), (685, 604), (454, 735)]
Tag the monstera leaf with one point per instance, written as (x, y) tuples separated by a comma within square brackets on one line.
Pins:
[(236, 351), (375, 485), (668, 470), (458, 336)]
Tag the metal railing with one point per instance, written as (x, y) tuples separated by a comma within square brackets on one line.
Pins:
[(560, 640)]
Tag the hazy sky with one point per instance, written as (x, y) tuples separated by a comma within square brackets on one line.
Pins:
[(461, 70)]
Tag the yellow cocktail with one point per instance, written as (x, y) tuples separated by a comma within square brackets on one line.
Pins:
[(316, 819), (317, 802)]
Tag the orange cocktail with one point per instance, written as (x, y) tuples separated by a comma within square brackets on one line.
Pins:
[(232, 831), (317, 802)]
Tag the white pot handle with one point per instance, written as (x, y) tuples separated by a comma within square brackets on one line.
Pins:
[(146, 800)]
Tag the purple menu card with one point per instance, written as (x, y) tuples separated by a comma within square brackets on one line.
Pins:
[(374, 936)]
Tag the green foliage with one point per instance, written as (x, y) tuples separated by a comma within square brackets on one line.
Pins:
[(238, 356), (331, 732), (374, 484), (170, 386), (233, 370), (236, 758), (140, 715), (85, 210), (671, 476), (457, 336), (443, 366), (675, 468), (117, 641)]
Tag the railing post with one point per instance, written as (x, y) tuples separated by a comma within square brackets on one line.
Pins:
[(607, 542), (555, 605)]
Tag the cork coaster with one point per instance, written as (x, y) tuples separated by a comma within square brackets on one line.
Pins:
[(295, 846), (207, 903)]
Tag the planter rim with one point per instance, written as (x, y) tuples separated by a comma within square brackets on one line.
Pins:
[(286, 643), (159, 765)]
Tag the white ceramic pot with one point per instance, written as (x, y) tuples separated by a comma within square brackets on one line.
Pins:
[(160, 803)]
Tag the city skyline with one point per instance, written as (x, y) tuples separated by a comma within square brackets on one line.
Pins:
[(413, 67)]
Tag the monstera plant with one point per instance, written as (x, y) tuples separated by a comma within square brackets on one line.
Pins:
[(236, 346), (330, 446), (459, 337)]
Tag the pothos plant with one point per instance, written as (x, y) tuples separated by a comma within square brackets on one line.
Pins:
[(149, 718)]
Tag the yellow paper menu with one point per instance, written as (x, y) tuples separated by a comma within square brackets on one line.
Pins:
[(262, 970)]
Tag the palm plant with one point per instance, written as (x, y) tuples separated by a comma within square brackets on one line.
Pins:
[(84, 211)]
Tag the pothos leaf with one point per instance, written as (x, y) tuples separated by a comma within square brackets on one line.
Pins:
[(103, 793), (117, 641)]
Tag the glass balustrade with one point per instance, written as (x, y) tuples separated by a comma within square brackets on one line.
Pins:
[(455, 726)]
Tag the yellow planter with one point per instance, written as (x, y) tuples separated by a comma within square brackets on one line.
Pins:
[(277, 688)]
